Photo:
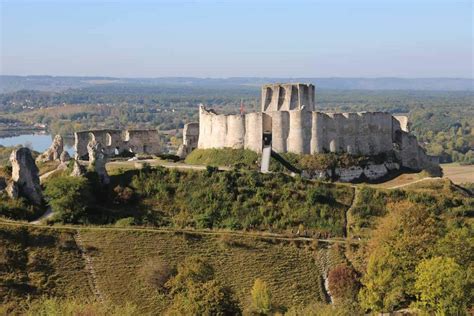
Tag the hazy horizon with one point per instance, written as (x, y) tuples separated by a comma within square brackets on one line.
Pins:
[(367, 39)]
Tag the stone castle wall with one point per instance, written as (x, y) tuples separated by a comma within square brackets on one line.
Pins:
[(302, 132), (116, 141), (287, 114)]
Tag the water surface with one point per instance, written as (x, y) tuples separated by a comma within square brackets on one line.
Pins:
[(38, 142)]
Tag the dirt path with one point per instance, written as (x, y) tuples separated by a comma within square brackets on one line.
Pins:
[(89, 267), (413, 182), (49, 213), (264, 235)]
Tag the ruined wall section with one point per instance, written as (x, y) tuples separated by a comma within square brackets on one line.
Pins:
[(231, 131), (142, 141), (306, 132), (287, 97), (116, 141)]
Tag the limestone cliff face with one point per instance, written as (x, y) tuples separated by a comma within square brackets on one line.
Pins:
[(25, 176), (54, 151)]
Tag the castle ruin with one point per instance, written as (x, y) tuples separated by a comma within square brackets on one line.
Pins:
[(115, 142), (289, 123)]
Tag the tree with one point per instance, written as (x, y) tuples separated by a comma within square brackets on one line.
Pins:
[(442, 287), (208, 298), (196, 292), (69, 197), (261, 297), (343, 283), (402, 239), (459, 245)]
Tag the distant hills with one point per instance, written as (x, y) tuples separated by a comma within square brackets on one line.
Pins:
[(60, 83)]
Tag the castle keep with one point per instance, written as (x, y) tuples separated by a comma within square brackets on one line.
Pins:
[(289, 123)]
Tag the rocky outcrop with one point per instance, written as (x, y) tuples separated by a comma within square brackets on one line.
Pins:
[(372, 171), (12, 190), (65, 157), (25, 176), (54, 151), (77, 169), (97, 160)]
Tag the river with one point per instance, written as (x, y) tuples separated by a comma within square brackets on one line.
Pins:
[(38, 142)]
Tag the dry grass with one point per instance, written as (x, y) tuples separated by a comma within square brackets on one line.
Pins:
[(291, 268), (457, 173), (36, 262)]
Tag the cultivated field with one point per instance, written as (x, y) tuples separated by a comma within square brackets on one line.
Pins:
[(457, 173)]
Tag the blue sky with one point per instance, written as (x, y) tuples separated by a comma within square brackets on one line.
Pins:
[(331, 38)]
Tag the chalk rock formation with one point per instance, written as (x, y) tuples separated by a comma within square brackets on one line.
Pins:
[(12, 190), (54, 151), (25, 175), (65, 157), (77, 170), (97, 160)]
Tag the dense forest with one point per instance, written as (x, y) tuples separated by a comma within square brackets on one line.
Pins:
[(443, 121)]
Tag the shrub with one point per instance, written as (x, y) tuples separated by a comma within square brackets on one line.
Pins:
[(343, 283), (125, 222), (69, 197), (261, 297), (194, 269), (122, 195), (156, 273), (196, 292)]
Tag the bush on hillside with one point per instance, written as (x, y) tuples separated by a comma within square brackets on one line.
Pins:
[(17, 209), (69, 197), (157, 272), (261, 297), (196, 292), (241, 199), (343, 283)]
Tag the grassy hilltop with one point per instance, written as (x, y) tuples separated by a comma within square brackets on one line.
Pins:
[(243, 226)]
